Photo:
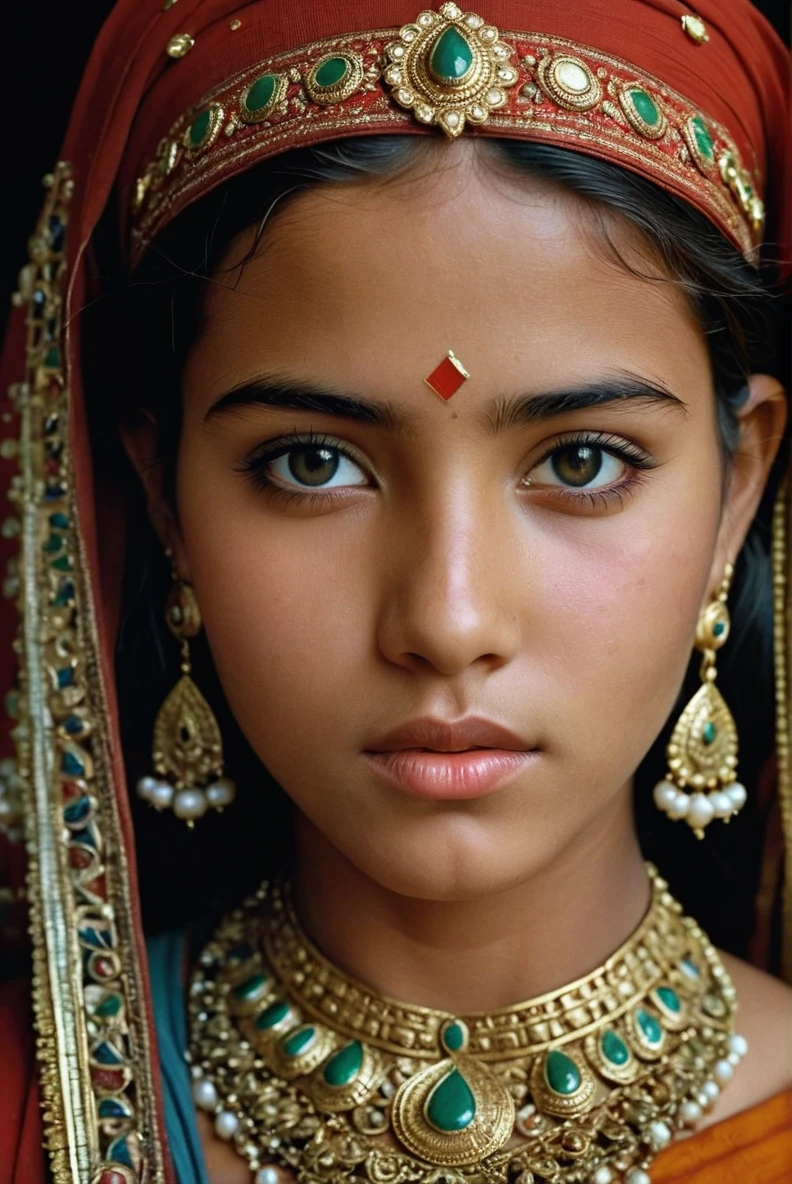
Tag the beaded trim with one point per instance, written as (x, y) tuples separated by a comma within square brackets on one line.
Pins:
[(546, 88), (92, 1039)]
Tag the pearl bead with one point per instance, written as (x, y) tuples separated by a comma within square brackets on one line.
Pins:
[(190, 803), (221, 793), (723, 1072), (711, 1091), (680, 806), (204, 1094), (267, 1176), (638, 1176), (226, 1124), (702, 1099), (738, 1045), (145, 786), (659, 1134), (738, 795), (664, 794), (602, 1175), (721, 804), (701, 812), (161, 796), (691, 1113), (733, 1059)]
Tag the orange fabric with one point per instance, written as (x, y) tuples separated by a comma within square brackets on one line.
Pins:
[(753, 1147)]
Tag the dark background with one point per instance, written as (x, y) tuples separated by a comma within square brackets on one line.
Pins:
[(45, 49)]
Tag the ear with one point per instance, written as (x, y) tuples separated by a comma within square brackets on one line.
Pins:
[(762, 419), (140, 439)]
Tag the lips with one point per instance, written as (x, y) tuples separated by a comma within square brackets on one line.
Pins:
[(447, 736)]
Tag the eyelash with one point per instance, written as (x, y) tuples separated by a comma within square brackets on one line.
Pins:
[(638, 461)]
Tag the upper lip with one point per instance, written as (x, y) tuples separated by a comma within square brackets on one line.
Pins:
[(450, 736)]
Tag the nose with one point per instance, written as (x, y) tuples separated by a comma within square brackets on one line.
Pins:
[(449, 602)]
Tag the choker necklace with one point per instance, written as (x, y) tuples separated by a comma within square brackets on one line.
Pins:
[(304, 1067)]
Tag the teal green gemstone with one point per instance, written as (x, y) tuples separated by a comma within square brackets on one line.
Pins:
[(298, 1041), (251, 988), (331, 72), (614, 1049), (53, 358), (669, 998), (707, 149), (345, 1065), (199, 128), (64, 563), (451, 57), (110, 1005), (709, 732), (718, 629), (563, 1075), (454, 1037), (272, 1015), (261, 92), (53, 543), (59, 521), (651, 1027), (645, 106), (451, 1105)]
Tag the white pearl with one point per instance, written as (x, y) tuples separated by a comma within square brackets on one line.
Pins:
[(738, 1045), (738, 795), (602, 1175), (267, 1176), (660, 1134), (691, 1113), (221, 793), (226, 1124), (190, 803), (145, 786), (638, 1176), (680, 806), (723, 1072), (711, 1091), (701, 812), (702, 1099), (733, 1059), (721, 804), (664, 794), (204, 1093), (161, 796)]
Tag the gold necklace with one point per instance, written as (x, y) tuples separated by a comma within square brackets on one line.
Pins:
[(305, 1067)]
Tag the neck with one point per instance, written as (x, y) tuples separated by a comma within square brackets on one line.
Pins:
[(558, 924)]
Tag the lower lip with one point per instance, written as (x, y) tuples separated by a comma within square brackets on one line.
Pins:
[(450, 776)]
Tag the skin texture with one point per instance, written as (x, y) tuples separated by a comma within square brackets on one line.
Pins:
[(433, 582)]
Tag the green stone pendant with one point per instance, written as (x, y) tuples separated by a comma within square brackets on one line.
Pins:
[(345, 1065), (273, 1015), (299, 1041), (561, 1073), (451, 1105), (614, 1049), (451, 57)]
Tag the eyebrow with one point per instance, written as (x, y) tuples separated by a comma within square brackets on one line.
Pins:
[(501, 415)]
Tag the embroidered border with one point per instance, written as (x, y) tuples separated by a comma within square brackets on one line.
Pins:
[(630, 114), (98, 1099)]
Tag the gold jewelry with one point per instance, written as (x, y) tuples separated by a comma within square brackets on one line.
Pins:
[(187, 749), (303, 1066), (702, 752)]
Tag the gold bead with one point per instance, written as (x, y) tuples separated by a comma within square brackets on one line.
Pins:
[(695, 28), (179, 45), (235, 24)]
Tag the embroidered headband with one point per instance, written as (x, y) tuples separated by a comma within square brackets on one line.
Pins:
[(453, 71)]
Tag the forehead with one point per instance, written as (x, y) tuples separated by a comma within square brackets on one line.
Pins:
[(371, 283)]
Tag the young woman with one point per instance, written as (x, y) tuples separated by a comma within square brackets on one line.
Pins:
[(402, 516)]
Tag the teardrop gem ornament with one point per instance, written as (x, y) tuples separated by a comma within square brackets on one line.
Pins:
[(450, 69), (348, 1078), (188, 747), (562, 1085)]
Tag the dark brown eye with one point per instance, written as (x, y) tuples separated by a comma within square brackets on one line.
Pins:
[(313, 466), (577, 464)]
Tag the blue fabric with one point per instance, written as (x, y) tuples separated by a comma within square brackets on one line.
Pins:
[(166, 966)]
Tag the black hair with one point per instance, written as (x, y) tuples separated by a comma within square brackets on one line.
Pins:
[(159, 310)]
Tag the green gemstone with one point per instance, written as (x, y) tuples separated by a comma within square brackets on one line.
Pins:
[(651, 1027), (261, 92), (331, 72), (718, 629), (53, 543), (199, 128), (53, 358), (669, 997), (298, 1041), (614, 1049), (345, 1065), (59, 521), (272, 1015), (454, 1037), (451, 57), (62, 564), (645, 106), (707, 149), (709, 732), (563, 1075), (251, 988), (451, 1105), (110, 1005)]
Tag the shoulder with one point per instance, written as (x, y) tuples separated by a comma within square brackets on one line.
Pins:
[(764, 1018), (22, 1160)]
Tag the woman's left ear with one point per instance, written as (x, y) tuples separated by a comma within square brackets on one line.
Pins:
[(762, 420)]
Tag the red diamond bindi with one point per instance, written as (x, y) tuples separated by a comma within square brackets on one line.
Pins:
[(446, 379)]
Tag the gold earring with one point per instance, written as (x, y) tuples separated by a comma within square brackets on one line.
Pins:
[(701, 781), (187, 749)]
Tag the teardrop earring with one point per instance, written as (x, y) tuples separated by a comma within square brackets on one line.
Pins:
[(702, 752), (187, 749)]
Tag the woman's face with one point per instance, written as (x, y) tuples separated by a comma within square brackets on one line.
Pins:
[(533, 551)]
